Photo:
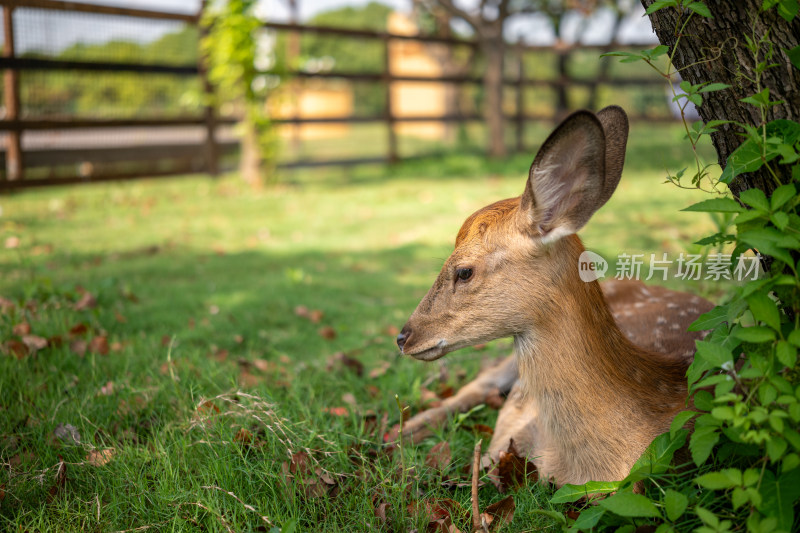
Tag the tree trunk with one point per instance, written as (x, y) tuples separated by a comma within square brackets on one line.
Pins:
[(713, 50), (494, 51)]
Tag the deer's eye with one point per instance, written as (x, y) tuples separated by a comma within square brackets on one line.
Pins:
[(464, 274)]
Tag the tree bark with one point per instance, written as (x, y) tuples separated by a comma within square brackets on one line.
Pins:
[(713, 50)]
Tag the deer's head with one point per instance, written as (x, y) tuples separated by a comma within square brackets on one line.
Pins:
[(512, 258)]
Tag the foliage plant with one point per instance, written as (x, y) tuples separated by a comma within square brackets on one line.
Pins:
[(741, 470), (233, 56)]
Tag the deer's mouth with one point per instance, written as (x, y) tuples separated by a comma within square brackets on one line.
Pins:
[(429, 354)]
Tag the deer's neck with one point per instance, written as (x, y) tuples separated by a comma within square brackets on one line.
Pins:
[(600, 398)]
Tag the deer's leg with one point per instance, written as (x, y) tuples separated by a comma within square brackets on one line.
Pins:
[(501, 376), (516, 420)]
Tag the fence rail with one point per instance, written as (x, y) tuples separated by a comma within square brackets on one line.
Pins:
[(205, 156)]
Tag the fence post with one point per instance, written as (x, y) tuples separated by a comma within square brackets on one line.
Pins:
[(15, 165), (389, 116), (209, 111), (562, 98), (520, 98)]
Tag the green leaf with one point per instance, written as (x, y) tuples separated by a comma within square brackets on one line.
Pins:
[(786, 354), (558, 517), (764, 310), (788, 9), (589, 518), (739, 497), (782, 194), (794, 337), (755, 198), (675, 504), (776, 447), (660, 4), (714, 481), (716, 205), (707, 517), (758, 99), (701, 9), (711, 87), (570, 493), (715, 354), (702, 442), (680, 420), (631, 505), (710, 320), (755, 334), (780, 219), (794, 56)]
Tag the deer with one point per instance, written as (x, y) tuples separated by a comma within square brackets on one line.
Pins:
[(597, 371)]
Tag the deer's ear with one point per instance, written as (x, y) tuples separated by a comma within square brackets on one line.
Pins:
[(566, 182), (615, 127)]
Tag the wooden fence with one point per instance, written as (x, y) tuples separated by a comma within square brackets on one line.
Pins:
[(206, 156)]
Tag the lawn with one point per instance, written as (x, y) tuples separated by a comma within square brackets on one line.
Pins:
[(223, 359)]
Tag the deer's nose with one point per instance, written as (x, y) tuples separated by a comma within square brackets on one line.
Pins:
[(403, 336)]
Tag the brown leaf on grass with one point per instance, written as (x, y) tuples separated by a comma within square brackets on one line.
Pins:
[(380, 511), (480, 429), (107, 389), (243, 436), (238, 339), (12, 242), (327, 333), (339, 358), (440, 514), (444, 391), (99, 345), (23, 328), (380, 370), (6, 306), (301, 311), (512, 470), (439, 457), (117, 346), (248, 380), (220, 355), (336, 411), (34, 342), (207, 408), (300, 463), (100, 457), (86, 301), (427, 395), (119, 318), (499, 513), (350, 399), (79, 346), (392, 331), (78, 330), (494, 399), (316, 316), (165, 340), (14, 348), (373, 391)]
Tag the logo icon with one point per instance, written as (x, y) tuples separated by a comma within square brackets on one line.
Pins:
[(591, 266)]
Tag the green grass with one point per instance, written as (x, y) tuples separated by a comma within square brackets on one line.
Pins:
[(197, 283)]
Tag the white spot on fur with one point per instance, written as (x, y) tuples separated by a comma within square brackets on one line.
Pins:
[(661, 320)]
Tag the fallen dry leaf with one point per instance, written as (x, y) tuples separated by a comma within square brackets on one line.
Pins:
[(60, 479), (207, 407), (498, 513), (327, 333), (34, 342), (339, 358), (336, 411), (512, 470), (350, 399), (439, 457), (15, 348), (86, 301), (6, 306), (243, 436), (79, 347), (12, 242), (99, 345), (78, 330), (316, 316), (119, 318), (107, 389), (380, 511), (380, 370), (301, 311), (23, 328), (392, 331), (100, 457)]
